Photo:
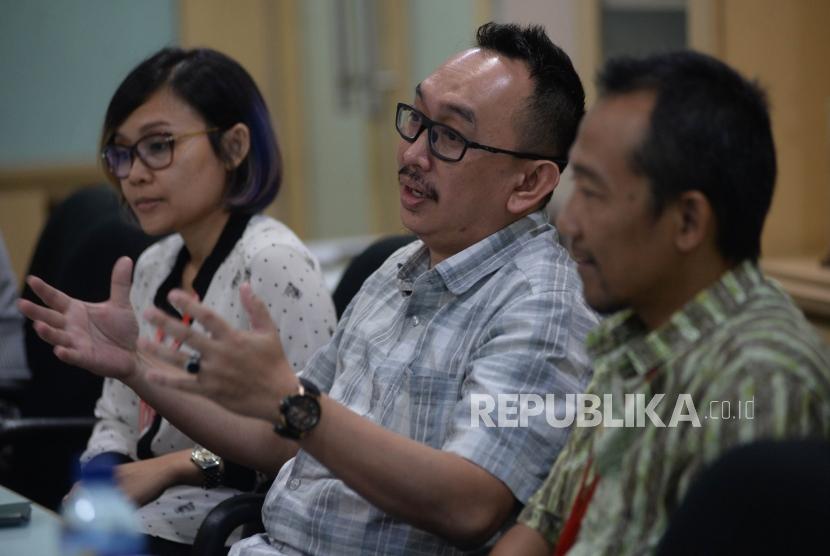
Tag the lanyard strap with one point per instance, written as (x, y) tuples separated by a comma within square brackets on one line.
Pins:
[(146, 414), (567, 537)]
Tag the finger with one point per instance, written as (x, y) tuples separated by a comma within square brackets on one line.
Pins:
[(257, 311), (121, 281), (177, 330), (70, 356), (53, 336), (168, 354), (211, 321), (53, 297), (37, 312)]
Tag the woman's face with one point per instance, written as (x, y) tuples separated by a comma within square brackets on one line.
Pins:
[(190, 190)]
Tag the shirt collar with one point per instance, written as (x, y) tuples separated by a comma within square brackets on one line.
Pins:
[(231, 233), (463, 270), (622, 340)]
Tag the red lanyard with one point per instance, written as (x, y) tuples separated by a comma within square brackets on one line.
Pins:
[(160, 336), (567, 538), (570, 530), (146, 414)]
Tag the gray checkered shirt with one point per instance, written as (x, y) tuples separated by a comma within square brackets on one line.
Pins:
[(505, 315)]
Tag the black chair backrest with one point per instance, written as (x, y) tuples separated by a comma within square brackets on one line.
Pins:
[(362, 266), (83, 237)]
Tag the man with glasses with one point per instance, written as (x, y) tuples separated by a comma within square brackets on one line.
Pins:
[(406, 433)]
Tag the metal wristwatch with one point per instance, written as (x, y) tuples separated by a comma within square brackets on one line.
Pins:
[(209, 464), (300, 412)]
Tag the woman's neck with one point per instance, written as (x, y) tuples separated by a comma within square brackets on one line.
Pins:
[(201, 237)]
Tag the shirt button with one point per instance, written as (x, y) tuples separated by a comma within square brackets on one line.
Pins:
[(294, 484), (416, 321)]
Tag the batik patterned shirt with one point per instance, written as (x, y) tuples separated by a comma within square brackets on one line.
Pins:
[(740, 357)]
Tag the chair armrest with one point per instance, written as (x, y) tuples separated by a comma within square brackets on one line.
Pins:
[(24, 426), (242, 509)]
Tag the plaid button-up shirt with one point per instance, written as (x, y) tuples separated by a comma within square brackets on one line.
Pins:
[(505, 315)]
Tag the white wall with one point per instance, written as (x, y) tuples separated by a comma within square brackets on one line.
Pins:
[(60, 61)]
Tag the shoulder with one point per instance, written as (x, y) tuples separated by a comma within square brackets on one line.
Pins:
[(769, 341), (269, 241), (770, 326), (541, 270), (539, 264)]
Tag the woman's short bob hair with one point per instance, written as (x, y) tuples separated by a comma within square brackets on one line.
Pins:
[(224, 94)]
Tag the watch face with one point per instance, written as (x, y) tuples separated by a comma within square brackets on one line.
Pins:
[(302, 413), (205, 458)]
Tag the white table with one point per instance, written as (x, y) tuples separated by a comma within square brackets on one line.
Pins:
[(39, 537)]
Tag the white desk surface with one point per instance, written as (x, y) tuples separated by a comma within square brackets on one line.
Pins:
[(39, 537)]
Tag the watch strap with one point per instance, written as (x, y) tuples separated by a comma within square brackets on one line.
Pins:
[(212, 476), (210, 466)]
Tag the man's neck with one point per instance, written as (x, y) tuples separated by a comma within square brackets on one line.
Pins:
[(688, 279)]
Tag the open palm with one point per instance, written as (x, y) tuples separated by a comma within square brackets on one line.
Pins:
[(100, 337)]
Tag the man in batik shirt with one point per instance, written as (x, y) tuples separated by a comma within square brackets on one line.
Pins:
[(674, 171)]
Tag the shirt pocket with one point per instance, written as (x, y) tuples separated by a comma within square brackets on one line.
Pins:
[(425, 406)]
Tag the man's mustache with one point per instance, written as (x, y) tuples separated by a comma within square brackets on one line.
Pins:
[(417, 177)]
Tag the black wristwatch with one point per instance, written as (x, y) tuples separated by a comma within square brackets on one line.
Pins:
[(210, 465), (300, 412)]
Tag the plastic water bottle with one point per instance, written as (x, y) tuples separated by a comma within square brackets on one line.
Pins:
[(98, 519)]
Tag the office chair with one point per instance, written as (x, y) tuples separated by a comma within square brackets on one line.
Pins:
[(83, 237), (362, 266), (767, 497)]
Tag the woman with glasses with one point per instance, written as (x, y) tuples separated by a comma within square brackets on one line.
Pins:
[(187, 141)]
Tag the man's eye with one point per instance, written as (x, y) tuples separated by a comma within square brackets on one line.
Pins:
[(451, 136), (587, 192)]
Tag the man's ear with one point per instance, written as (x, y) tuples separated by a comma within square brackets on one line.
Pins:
[(236, 143), (539, 179), (695, 220)]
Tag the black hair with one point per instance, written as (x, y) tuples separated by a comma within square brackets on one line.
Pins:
[(224, 94), (554, 110), (709, 131)]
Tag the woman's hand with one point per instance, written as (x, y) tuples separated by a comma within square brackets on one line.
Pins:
[(145, 480), (100, 337)]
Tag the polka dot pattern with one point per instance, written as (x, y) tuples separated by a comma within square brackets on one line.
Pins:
[(283, 274)]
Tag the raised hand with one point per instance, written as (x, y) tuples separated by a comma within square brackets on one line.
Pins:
[(242, 370), (100, 337)]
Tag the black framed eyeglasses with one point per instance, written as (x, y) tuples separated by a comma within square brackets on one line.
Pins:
[(154, 150), (447, 144)]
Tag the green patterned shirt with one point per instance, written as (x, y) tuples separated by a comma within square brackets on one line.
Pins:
[(740, 353)]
